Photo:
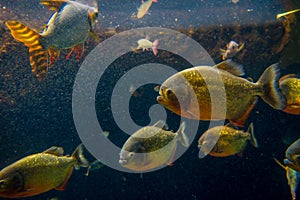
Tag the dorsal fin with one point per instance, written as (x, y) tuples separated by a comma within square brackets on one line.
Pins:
[(58, 151), (250, 79), (288, 76), (231, 67), (53, 5), (161, 124)]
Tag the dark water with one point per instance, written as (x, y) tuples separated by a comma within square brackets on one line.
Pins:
[(37, 115)]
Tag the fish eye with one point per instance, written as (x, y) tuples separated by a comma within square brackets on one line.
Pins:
[(2, 182), (131, 154), (169, 92), (96, 14)]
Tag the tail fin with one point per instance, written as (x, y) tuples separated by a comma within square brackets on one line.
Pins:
[(81, 161), (271, 93), (38, 55), (182, 136), (154, 48), (252, 137)]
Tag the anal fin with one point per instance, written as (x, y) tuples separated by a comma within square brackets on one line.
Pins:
[(63, 185)]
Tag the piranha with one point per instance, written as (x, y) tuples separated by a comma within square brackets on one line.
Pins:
[(40, 172), (145, 44), (290, 88), (231, 49), (230, 141), (151, 147), (145, 6), (293, 178), (292, 155), (187, 94), (68, 27)]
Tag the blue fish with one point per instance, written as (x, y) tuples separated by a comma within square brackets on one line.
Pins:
[(292, 155)]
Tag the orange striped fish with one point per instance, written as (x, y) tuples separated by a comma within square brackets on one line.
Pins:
[(68, 28)]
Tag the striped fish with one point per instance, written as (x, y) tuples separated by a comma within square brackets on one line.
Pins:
[(68, 28)]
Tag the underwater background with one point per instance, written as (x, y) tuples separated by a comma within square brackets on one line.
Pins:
[(35, 115)]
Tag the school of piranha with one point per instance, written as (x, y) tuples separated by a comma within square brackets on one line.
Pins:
[(184, 93)]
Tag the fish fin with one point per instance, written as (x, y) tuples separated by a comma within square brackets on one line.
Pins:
[(241, 121), (292, 109), (171, 160), (252, 136), (94, 166), (38, 55), (64, 184), (161, 124), (54, 54), (280, 164), (54, 150), (80, 160), (271, 93), (53, 5), (232, 125), (231, 67), (79, 48), (222, 50), (154, 48), (241, 47), (250, 79), (288, 76), (94, 36), (182, 136)]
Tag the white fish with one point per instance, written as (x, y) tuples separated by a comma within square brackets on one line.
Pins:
[(231, 49), (145, 44), (143, 9)]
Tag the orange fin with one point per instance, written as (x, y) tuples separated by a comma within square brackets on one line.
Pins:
[(63, 185), (53, 5), (78, 52), (240, 122), (54, 54), (38, 55)]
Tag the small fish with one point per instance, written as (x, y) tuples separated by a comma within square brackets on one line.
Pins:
[(290, 88), (145, 44), (230, 141), (94, 166), (286, 13), (231, 49), (40, 172), (241, 94), (143, 9), (68, 27), (292, 155), (151, 147), (293, 178)]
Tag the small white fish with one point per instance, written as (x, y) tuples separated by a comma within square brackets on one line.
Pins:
[(231, 49), (143, 9), (145, 44)]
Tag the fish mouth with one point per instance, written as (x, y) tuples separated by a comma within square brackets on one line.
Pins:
[(122, 161), (161, 100)]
